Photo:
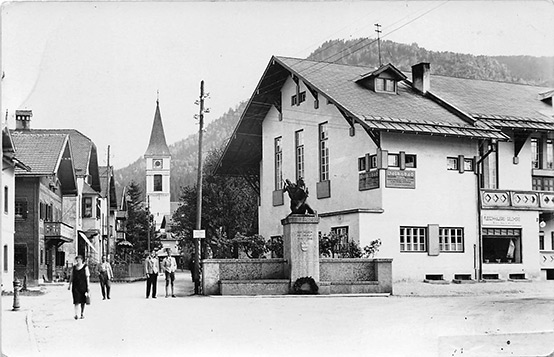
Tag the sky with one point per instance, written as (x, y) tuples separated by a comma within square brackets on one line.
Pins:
[(98, 66)]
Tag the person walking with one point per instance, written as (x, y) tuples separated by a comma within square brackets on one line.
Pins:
[(105, 275), (79, 285), (151, 268), (170, 266)]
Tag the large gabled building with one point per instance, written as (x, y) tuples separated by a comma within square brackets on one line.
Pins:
[(449, 173)]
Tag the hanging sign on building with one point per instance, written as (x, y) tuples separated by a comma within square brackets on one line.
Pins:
[(491, 219), (199, 233), (400, 179), (368, 180)]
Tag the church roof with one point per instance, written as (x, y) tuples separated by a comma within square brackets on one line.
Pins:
[(157, 145)]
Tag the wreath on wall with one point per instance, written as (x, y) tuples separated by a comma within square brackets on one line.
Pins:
[(305, 285)]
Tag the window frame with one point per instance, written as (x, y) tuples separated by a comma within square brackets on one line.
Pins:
[(20, 209), (299, 153), (6, 200), (446, 244), (87, 207), (404, 242), (323, 146), (278, 162), (157, 183), (455, 161)]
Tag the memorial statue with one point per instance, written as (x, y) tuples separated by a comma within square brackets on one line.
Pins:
[(298, 194)]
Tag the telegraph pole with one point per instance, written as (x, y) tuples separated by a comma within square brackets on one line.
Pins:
[(378, 30), (197, 248)]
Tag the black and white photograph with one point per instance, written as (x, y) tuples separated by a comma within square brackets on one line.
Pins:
[(277, 178)]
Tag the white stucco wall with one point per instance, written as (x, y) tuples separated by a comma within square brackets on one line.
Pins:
[(8, 180)]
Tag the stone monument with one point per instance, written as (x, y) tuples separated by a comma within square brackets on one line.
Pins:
[(300, 235)]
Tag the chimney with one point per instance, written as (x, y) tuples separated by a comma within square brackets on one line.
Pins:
[(23, 119), (421, 77)]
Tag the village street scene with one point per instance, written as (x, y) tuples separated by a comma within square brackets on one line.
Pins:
[(277, 178)]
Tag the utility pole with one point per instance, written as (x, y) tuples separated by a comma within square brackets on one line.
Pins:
[(148, 221), (378, 30), (197, 247), (108, 172)]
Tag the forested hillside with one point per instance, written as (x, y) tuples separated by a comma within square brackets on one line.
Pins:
[(518, 69)]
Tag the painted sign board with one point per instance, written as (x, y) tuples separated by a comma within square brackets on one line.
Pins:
[(368, 180), (400, 179), (199, 233), (491, 219)]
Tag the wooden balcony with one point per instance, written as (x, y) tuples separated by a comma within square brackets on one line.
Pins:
[(58, 231), (517, 200)]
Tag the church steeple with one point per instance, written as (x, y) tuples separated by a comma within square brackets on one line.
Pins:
[(157, 145)]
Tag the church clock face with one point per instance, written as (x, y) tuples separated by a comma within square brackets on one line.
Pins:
[(158, 164)]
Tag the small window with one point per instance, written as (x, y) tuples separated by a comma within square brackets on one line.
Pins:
[(6, 256), (413, 239), (452, 163), (278, 154), (20, 209), (373, 161), (468, 164), (393, 160), (293, 100), (362, 164), (6, 201), (385, 85), (87, 207), (410, 161), (541, 240), (302, 97), (157, 183)]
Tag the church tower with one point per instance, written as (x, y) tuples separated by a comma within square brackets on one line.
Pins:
[(158, 160)]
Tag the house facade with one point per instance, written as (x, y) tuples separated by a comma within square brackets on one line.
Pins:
[(451, 178), (39, 191)]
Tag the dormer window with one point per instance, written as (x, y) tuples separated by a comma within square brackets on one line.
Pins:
[(382, 80), (385, 85)]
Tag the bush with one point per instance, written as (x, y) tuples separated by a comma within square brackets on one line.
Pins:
[(305, 286)]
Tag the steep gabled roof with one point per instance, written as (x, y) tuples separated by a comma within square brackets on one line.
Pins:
[(406, 111), (106, 176), (46, 154), (85, 155), (157, 145)]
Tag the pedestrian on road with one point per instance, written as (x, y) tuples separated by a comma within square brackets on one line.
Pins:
[(151, 268), (170, 266), (105, 275), (79, 285)]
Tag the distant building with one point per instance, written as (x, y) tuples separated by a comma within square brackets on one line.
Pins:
[(455, 176), (40, 231), (108, 197), (158, 170)]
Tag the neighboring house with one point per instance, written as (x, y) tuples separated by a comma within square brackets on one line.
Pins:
[(40, 232), (80, 211), (158, 170), (108, 199), (121, 218), (9, 163), (456, 182)]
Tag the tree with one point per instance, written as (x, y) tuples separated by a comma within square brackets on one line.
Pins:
[(229, 206), (139, 220)]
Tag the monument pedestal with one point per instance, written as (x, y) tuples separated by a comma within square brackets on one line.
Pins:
[(301, 246)]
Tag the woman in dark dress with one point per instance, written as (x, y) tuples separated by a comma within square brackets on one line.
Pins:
[(79, 280)]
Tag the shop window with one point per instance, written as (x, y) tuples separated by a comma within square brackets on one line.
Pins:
[(157, 183), (451, 239), (413, 239), (502, 245), (20, 254)]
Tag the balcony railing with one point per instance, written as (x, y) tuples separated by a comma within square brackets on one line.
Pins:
[(58, 230), (517, 200)]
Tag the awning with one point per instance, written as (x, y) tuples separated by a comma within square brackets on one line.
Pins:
[(85, 238)]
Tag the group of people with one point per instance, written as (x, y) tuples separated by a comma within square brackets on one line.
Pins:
[(79, 280), (152, 268)]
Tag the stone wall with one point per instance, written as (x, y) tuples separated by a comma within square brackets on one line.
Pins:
[(355, 276), (216, 270)]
